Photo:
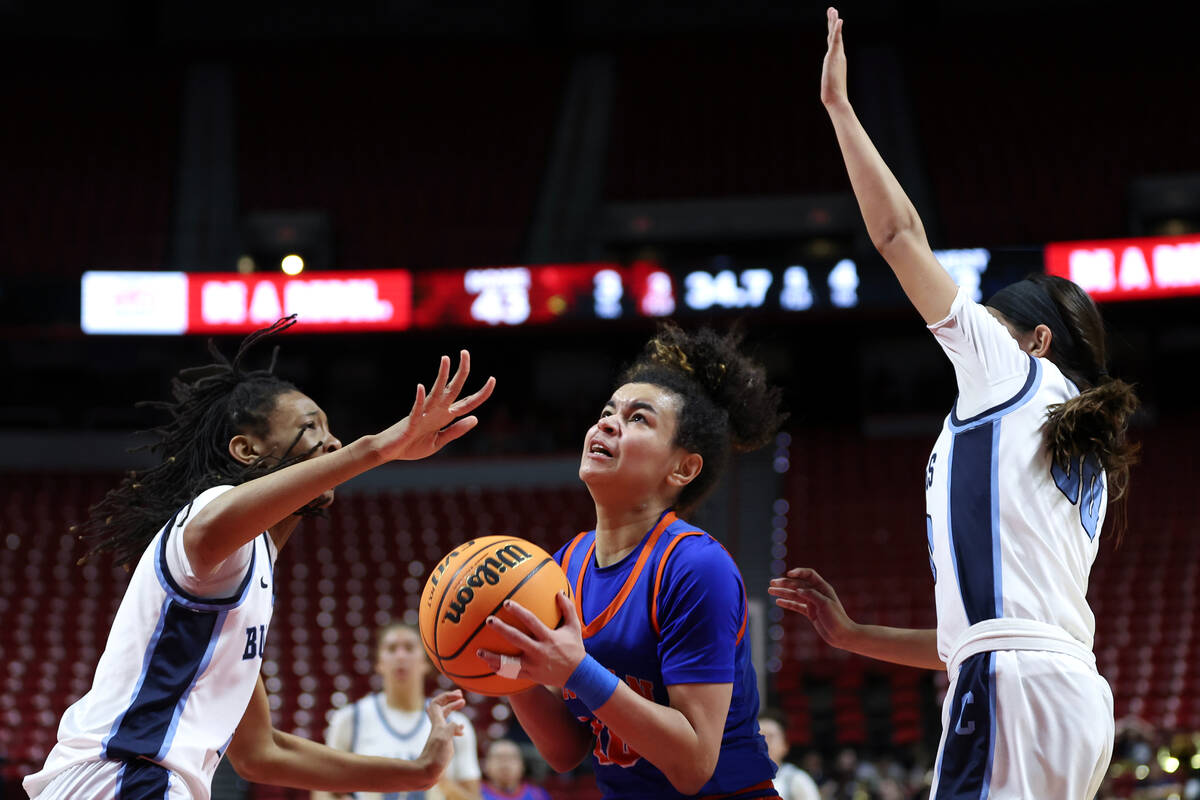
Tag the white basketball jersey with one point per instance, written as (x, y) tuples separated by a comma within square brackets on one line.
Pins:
[(175, 677), (1010, 537), (369, 727)]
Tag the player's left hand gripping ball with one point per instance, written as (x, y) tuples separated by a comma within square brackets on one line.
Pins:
[(547, 655)]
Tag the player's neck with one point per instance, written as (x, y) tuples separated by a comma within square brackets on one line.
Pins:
[(281, 531), (403, 698), (619, 529)]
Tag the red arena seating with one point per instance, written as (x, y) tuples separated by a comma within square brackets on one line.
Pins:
[(852, 514)]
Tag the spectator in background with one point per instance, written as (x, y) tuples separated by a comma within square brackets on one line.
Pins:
[(791, 782), (393, 722), (504, 769)]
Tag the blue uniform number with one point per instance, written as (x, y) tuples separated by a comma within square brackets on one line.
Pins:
[(1082, 482)]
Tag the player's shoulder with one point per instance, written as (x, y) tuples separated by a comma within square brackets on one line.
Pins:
[(688, 543)]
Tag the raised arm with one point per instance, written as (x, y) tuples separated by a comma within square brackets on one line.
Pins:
[(806, 592), (262, 754), (240, 514), (892, 221)]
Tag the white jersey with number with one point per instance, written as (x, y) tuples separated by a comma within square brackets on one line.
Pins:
[(371, 727), (176, 675), (1011, 538)]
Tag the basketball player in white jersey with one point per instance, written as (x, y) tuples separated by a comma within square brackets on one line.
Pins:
[(393, 723), (244, 456), (1017, 488)]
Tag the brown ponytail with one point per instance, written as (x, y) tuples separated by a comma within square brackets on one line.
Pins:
[(1095, 422)]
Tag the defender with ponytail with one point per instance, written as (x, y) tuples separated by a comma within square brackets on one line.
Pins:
[(653, 659), (1093, 423), (244, 456), (1017, 490)]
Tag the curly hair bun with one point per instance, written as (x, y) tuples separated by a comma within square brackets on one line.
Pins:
[(735, 382)]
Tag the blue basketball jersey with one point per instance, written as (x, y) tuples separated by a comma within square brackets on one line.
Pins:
[(672, 611)]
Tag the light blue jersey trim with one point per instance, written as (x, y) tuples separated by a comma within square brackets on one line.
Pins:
[(179, 706), (1032, 383), (198, 603), (404, 737), (146, 661), (991, 756), (997, 562)]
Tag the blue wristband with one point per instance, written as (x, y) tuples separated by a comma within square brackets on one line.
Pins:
[(592, 683)]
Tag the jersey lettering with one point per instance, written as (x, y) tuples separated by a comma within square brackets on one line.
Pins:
[(1082, 483), (610, 748), (256, 641), (969, 727)]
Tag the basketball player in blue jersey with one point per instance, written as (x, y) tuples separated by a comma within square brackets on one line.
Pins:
[(653, 658), (1017, 489), (244, 456)]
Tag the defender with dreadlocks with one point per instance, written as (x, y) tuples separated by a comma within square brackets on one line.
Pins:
[(244, 456)]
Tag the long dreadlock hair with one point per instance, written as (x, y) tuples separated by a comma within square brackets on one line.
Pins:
[(212, 404)]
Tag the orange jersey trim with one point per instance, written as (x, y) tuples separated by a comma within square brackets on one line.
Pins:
[(566, 564), (662, 565), (592, 628)]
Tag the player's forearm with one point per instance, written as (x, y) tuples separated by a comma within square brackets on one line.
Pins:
[(912, 647), (885, 207), (562, 740), (298, 763), (662, 735), (240, 514), (891, 219)]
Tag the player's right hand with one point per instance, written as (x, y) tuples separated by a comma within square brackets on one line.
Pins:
[(439, 747), (803, 590), (833, 71), (434, 420)]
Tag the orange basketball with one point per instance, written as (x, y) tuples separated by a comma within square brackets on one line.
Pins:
[(469, 585)]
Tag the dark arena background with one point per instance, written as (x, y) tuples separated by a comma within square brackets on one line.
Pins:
[(540, 182)]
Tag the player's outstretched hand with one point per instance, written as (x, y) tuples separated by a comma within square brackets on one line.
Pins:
[(436, 418), (547, 656), (803, 590), (439, 747), (833, 71)]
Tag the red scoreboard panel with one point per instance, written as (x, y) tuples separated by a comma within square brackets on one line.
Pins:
[(1130, 269), (535, 295), (213, 303)]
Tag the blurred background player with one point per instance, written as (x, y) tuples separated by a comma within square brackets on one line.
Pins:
[(653, 657), (504, 770), (791, 782), (244, 456), (393, 722), (1017, 489)]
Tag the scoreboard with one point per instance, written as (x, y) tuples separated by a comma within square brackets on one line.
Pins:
[(117, 302)]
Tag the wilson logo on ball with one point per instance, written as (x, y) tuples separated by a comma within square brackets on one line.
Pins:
[(488, 573)]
